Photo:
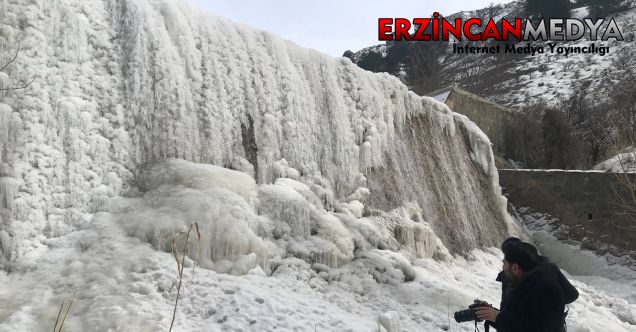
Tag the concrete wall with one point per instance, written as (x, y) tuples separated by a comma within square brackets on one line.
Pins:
[(586, 202), (490, 117)]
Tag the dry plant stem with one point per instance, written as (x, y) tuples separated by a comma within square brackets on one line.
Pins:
[(625, 203), (19, 87), (198, 253), (68, 309), (57, 320), (180, 265), (15, 56)]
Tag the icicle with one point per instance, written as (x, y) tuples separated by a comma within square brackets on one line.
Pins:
[(366, 156), (8, 190), (7, 244), (334, 244), (5, 115), (417, 239), (288, 208), (5, 83)]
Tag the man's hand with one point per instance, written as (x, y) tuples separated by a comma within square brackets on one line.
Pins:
[(482, 303), (487, 313)]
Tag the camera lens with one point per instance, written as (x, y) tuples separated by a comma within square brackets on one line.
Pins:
[(464, 315)]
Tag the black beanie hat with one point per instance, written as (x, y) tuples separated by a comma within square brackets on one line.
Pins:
[(522, 255)]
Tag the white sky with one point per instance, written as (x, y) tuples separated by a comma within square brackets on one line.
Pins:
[(330, 26)]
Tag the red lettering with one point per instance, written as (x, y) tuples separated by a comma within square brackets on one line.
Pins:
[(456, 30), (508, 29), (469, 35), (402, 27), (435, 26), (384, 29), (398, 29), (491, 31), (423, 23)]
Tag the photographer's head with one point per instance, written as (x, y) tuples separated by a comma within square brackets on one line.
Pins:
[(519, 259), (508, 242)]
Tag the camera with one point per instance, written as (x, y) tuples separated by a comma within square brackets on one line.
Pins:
[(467, 315)]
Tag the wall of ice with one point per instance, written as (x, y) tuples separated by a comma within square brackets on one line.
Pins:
[(318, 153)]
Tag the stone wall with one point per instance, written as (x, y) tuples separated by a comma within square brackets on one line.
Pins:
[(491, 118), (586, 202)]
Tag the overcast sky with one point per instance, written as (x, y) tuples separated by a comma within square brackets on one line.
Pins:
[(330, 26)]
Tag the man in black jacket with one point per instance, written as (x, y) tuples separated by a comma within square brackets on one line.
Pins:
[(501, 277), (570, 294), (534, 300)]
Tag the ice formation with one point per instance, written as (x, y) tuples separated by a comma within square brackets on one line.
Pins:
[(146, 116), (390, 321), (122, 85)]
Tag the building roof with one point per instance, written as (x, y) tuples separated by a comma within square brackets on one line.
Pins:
[(442, 94)]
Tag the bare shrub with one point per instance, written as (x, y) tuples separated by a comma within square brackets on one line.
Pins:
[(180, 264), (64, 307)]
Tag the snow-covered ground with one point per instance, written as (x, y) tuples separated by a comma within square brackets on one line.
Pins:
[(124, 285), (607, 274), (552, 236), (125, 282), (624, 162)]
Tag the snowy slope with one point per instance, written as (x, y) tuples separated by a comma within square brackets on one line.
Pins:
[(622, 162), (520, 80), (550, 76), (317, 205)]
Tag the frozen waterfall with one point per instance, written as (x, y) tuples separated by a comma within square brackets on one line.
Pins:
[(314, 157)]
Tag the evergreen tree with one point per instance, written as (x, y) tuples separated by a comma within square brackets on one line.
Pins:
[(548, 8), (602, 8)]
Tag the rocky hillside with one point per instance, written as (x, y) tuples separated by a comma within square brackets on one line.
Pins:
[(513, 80)]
